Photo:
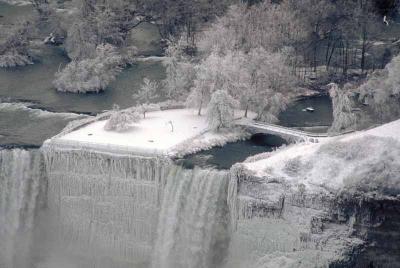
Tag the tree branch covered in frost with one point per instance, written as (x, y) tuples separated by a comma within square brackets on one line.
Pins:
[(146, 94), (90, 75), (121, 120), (179, 70), (381, 91), (259, 79), (343, 105), (220, 110), (14, 49)]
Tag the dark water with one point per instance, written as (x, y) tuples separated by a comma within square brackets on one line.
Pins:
[(34, 83), (294, 116), (12, 13), (224, 157)]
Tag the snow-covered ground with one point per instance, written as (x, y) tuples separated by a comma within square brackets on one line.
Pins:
[(367, 159), (154, 135)]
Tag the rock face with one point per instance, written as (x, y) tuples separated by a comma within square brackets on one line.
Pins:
[(375, 220), (282, 225)]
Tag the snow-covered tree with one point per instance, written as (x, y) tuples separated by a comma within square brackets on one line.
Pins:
[(148, 107), (90, 75), (220, 110), (180, 72), (14, 44), (147, 93), (121, 120), (270, 84), (267, 25), (208, 79), (381, 92), (344, 116)]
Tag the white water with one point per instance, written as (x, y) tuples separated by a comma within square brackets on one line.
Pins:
[(21, 182), (193, 226)]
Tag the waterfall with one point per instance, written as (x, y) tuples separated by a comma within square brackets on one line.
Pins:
[(192, 229), (21, 185), (104, 207)]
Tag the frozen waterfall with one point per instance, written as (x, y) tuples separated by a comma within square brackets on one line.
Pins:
[(21, 186), (104, 207), (117, 210), (193, 226)]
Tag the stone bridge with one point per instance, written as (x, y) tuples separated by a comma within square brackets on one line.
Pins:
[(289, 134)]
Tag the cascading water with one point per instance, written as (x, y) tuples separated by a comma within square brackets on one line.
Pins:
[(22, 186), (104, 207), (111, 210), (193, 225)]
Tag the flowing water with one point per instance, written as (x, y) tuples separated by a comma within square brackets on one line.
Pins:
[(22, 185), (194, 223)]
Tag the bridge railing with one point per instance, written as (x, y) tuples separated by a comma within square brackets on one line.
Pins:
[(284, 130)]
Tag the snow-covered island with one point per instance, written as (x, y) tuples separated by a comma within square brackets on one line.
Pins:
[(171, 133)]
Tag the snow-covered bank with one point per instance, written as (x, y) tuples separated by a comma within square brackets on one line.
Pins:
[(335, 162), (331, 204)]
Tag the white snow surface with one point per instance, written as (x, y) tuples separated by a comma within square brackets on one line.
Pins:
[(153, 135), (336, 161)]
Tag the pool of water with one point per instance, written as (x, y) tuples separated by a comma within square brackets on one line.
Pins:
[(235, 152), (295, 116)]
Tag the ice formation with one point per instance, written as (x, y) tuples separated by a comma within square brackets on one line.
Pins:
[(193, 227), (105, 207), (22, 186)]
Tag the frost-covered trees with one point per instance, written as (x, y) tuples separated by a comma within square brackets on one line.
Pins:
[(381, 91), (121, 120), (244, 58), (220, 110), (208, 79), (343, 104), (269, 84), (90, 75), (259, 79), (14, 45), (180, 72), (267, 25), (147, 93)]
